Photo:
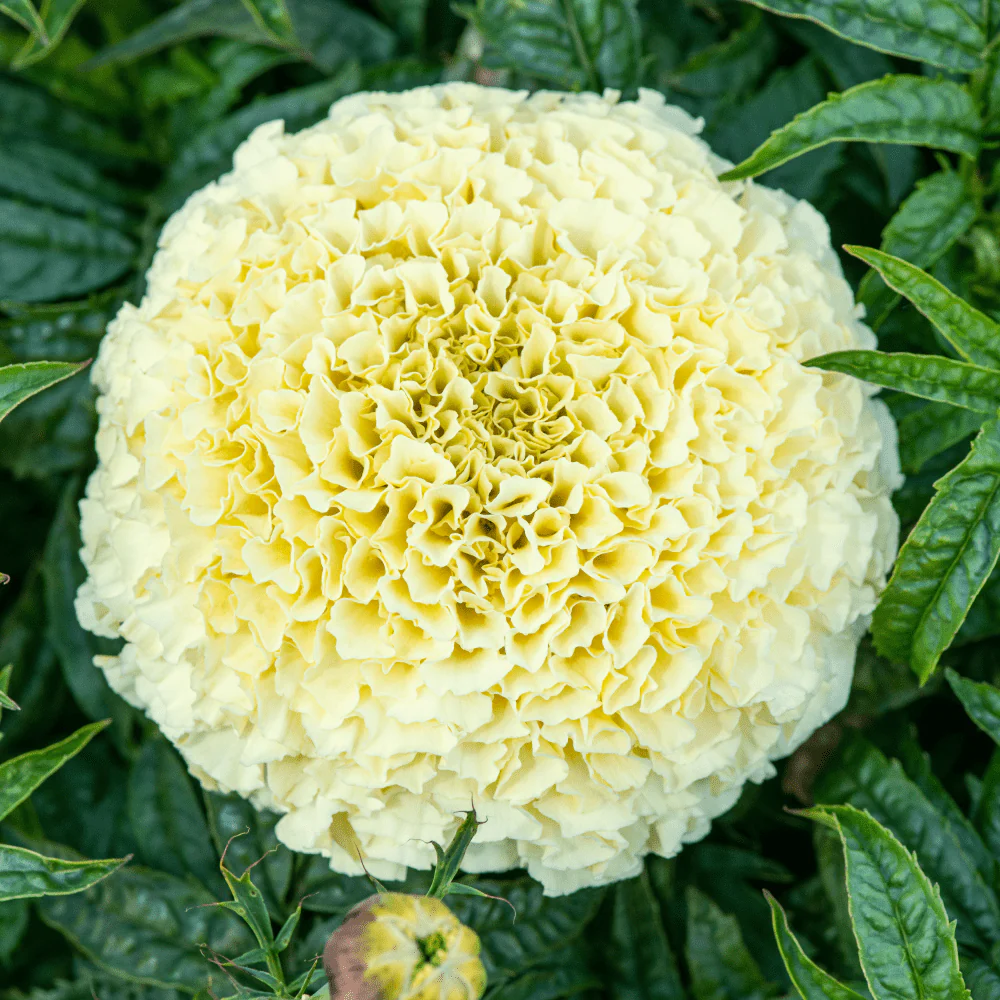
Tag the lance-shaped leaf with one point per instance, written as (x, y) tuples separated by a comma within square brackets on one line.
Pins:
[(938, 211), (806, 976), (56, 16), (972, 333), (21, 382), (5, 699), (945, 561), (947, 33), (926, 375), (932, 429), (20, 776), (24, 12), (449, 860), (25, 874), (905, 940), (981, 701), (913, 110)]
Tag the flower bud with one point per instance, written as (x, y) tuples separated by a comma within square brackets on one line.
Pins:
[(394, 946)]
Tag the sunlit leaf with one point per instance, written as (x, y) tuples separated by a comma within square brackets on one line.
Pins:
[(21, 382)]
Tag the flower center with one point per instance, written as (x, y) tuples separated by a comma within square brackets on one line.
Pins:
[(433, 948)]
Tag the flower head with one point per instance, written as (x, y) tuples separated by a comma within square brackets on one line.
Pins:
[(461, 449), (395, 946)]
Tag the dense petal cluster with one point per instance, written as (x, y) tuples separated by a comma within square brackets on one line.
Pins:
[(461, 451)]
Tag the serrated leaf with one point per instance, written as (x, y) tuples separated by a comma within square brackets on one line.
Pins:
[(210, 153), (944, 563), (148, 927), (927, 224), (166, 816), (905, 940), (972, 333), (20, 776), (45, 255), (811, 982), (932, 429), (981, 701), (21, 382), (575, 44), (913, 110), (928, 376), (864, 779), (57, 16), (26, 874), (639, 959), (720, 966), (946, 33)]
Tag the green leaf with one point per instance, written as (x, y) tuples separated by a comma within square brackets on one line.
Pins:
[(249, 903), (57, 15), (946, 33), (273, 18), (565, 974), (336, 34), (21, 382), (949, 851), (5, 699), (987, 815), (719, 963), (926, 226), (76, 648), (972, 333), (20, 776), (926, 375), (906, 942), (449, 860), (981, 702), (14, 915), (191, 19), (543, 924), (210, 152), (45, 255), (982, 979), (25, 874), (640, 961), (166, 816), (807, 977), (575, 44), (945, 561), (25, 14), (148, 927), (913, 110), (250, 837), (407, 17), (932, 429)]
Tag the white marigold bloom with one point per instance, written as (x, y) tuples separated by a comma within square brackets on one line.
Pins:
[(461, 450)]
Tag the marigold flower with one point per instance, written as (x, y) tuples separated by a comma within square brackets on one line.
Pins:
[(394, 946), (461, 449)]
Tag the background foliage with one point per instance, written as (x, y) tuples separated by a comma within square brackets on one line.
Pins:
[(113, 111)]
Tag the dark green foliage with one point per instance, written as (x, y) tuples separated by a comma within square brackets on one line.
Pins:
[(885, 114)]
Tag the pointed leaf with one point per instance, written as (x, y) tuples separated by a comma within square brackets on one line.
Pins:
[(57, 15), (913, 110), (972, 333), (932, 429), (720, 965), (807, 977), (21, 382), (640, 960), (450, 860), (928, 223), (148, 927), (45, 255), (945, 562), (575, 44), (981, 702), (946, 33), (5, 699), (949, 852), (249, 903), (25, 874), (284, 938), (906, 942), (20, 776), (926, 375)]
